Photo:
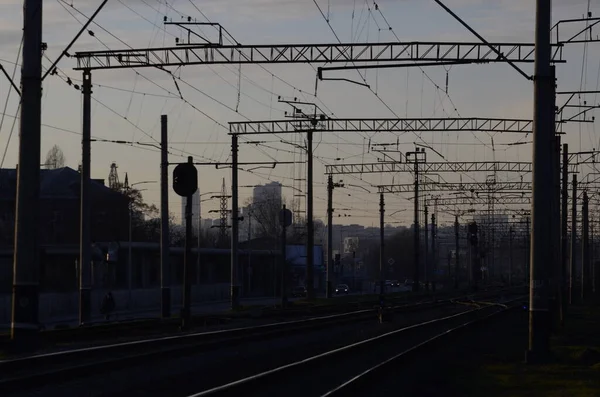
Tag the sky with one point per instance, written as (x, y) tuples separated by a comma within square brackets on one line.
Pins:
[(127, 104)]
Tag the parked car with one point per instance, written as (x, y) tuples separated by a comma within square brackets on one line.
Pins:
[(342, 289), (299, 292)]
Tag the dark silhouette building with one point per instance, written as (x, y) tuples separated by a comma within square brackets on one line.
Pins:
[(59, 219)]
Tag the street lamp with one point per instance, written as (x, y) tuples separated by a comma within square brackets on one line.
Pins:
[(129, 253)]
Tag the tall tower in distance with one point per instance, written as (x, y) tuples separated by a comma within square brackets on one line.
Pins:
[(269, 193)]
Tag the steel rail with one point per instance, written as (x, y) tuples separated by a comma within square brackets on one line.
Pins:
[(237, 387), (372, 371), (27, 371)]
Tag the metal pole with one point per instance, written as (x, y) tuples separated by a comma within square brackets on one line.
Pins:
[(433, 251), (585, 246), (426, 251), (564, 236), (187, 261), (457, 256), (165, 268), (25, 299), (310, 226), (572, 264), (129, 251), (283, 260), (543, 184), (554, 273), (198, 239), (592, 273), (528, 250), (329, 234), (85, 254), (250, 249), (235, 286), (416, 229), (510, 256), (381, 243)]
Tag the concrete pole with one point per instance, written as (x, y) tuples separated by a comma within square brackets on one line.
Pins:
[(187, 262), (310, 225), (554, 273), (129, 253), (283, 259), (433, 251), (235, 284), (573, 263), (416, 229), (198, 237), (543, 187), (510, 256), (250, 249), (381, 243), (329, 234), (457, 256), (564, 232), (85, 243), (25, 299), (426, 267), (165, 241), (585, 246)]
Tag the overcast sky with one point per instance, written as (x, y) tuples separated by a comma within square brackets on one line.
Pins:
[(128, 103)]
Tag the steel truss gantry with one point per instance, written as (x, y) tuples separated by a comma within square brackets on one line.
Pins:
[(458, 187), (380, 125), (434, 167), (509, 200), (209, 53)]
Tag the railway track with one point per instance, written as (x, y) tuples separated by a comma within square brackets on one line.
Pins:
[(29, 372), (345, 370)]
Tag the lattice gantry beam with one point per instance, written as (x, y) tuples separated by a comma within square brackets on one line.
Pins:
[(481, 201), (380, 125), (307, 53), (458, 187), (434, 167)]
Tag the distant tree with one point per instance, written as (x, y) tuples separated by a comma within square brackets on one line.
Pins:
[(55, 158)]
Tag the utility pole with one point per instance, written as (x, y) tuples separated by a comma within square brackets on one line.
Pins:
[(235, 286), (85, 254), (187, 261), (563, 230), (433, 251), (573, 264), (585, 246), (381, 243), (457, 247), (510, 256), (165, 241), (329, 235), (592, 272), (543, 184), (426, 250), (554, 273), (310, 226), (283, 257), (416, 229), (250, 249), (26, 264), (528, 245)]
